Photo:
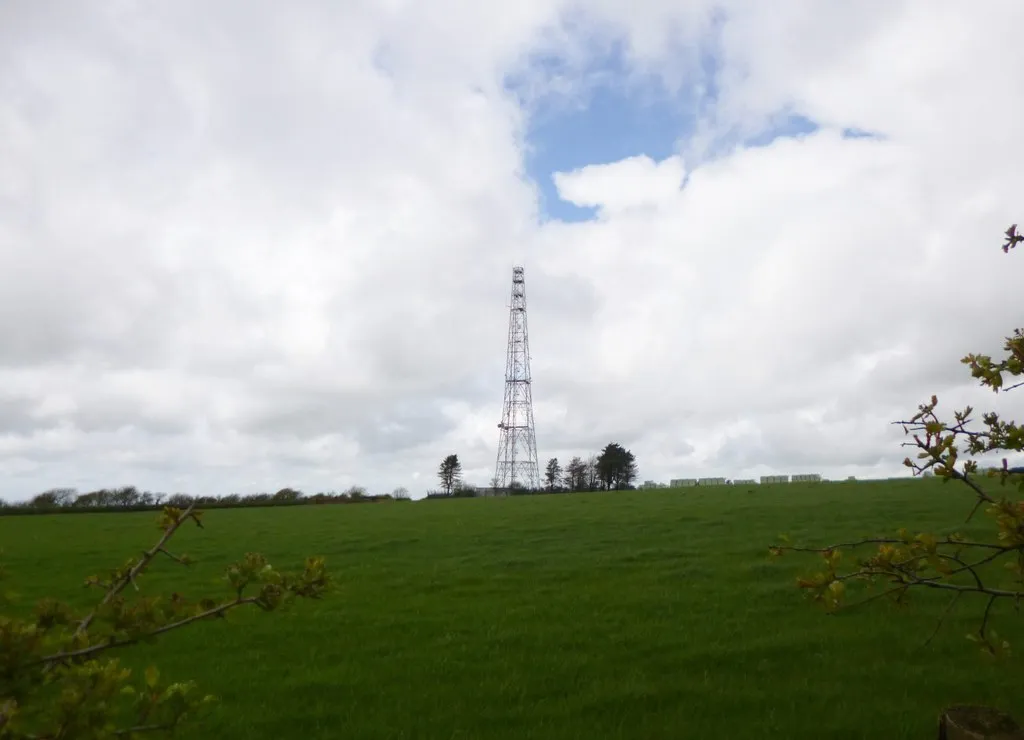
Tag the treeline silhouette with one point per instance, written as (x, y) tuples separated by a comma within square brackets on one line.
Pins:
[(130, 498), (613, 469)]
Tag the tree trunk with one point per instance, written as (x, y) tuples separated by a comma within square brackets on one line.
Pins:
[(978, 723)]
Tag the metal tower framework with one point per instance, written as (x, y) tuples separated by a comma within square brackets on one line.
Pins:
[(517, 442)]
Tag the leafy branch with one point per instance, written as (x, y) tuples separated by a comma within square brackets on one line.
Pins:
[(170, 520), (951, 563), (55, 680)]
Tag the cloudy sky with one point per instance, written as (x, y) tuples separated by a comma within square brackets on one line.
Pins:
[(247, 244)]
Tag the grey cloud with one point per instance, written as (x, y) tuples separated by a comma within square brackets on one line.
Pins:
[(791, 445), (17, 416), (379, 424)]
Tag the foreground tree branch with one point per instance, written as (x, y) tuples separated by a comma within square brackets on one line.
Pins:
[(951, 563), (55, 678), (169, 522), (64, 657)]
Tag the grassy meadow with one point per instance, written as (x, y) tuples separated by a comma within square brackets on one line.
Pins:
[(644, 614)]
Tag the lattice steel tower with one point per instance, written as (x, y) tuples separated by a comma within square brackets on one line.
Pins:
[(517, 441)]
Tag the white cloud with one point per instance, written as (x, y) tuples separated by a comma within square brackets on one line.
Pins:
[(258, 246), (624, 185)]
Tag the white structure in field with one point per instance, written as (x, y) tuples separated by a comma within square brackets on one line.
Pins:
[(711, 482), (807, 478), (682, 482), (744, 482), (775, 479)]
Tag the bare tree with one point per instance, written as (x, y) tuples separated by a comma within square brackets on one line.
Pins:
[(593, 479), (575, 475)]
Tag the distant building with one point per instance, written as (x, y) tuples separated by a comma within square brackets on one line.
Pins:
[(807, 478), (744, 482), (647, 484), (711, 482), (490, 492), (774, 479), (682, 482)]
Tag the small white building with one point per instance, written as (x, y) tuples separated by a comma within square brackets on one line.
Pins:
[(711, 482), (807, 478), (682, 482), (774, 479)]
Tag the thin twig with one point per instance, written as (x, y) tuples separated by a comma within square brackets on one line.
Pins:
[(983, 561), (984, 621), (993, 592), (847, 545), (887, 541), (967, 567), (145, 728), (942, 617), (974, 510), (957, 475), (173, 557), (874, 597), (988, 609)]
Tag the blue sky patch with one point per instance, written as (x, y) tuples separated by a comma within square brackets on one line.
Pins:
[(607, 112), (614, 116), (856, 133), (789, 125), (611, 127)]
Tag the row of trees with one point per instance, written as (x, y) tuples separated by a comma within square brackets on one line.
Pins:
[(130, 498), (614, 469)]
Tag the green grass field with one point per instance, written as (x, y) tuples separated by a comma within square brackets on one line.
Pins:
[(647, 614)]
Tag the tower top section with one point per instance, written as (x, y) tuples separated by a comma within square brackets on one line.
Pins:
[(518, 290)]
